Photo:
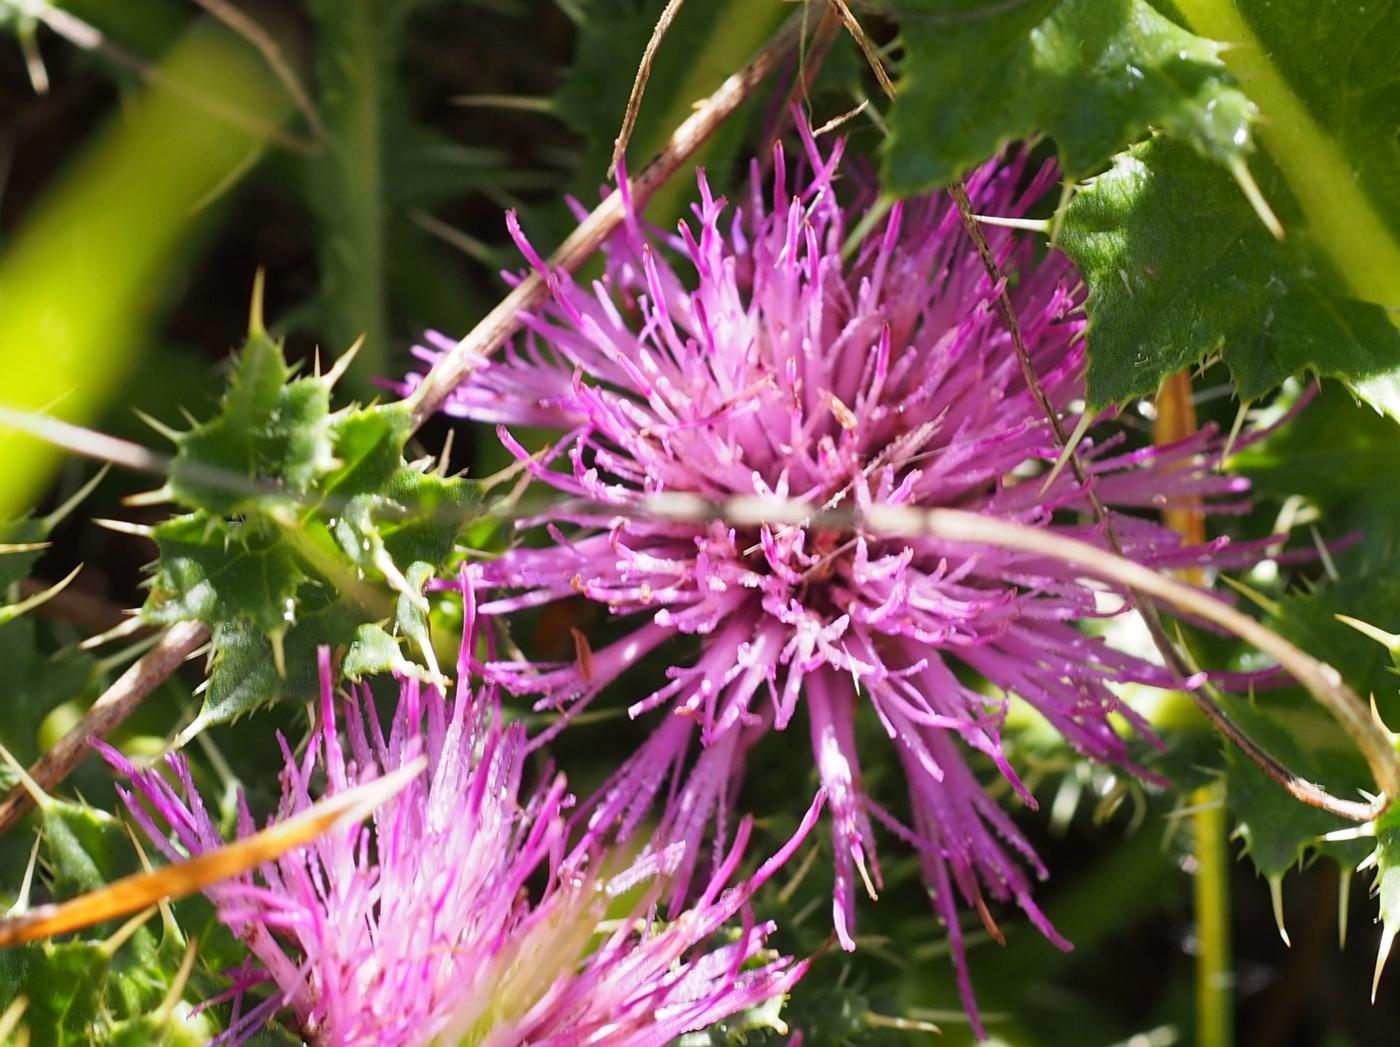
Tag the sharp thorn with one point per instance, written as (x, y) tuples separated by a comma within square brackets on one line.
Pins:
[(256, 328), (1071, 445), (123, 933), (12, 611), (1343, 905), (76, 498), (1276, 896), (1235, 430), (173, 435), (1031, 225), (125, 527), (1240, 172), (157, 496), (342, 365), (41, 799), (1390, 641), (1268, 606), (1382, 954), (9, 1021)]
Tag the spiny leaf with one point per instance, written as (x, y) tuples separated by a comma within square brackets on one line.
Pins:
[(1385, 859), (65, 986), (277, 576), (1279, 832), (1092, 74), (1179, 269), (244, 675), (437, 506), (269, 427), (83, 991), (84, 846), (374, 651), (215, 570), (38, 683), (368, 450)]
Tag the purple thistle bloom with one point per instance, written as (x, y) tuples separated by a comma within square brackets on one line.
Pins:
[(762, 354), (422, 927)]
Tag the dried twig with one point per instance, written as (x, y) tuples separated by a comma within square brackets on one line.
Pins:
[(639, 84), (866, 45), (1321, 680), (145, 889), (1298, 787), (504, 320), (116, 703)]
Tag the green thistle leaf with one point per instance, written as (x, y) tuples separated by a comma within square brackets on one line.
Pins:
[(1095, 75), (1279, 832), (214, 570), (1179, 261), (270, 428), (1180, 269), (332, 532)]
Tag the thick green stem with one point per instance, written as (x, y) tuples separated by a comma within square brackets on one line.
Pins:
[(1214, 979), (347, 181)]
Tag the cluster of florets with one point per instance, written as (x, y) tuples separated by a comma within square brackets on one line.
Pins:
[(766, 351)]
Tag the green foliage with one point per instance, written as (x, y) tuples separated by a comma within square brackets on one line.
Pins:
[(308, 526), (1180, 266), (80, 275), (1280, 833), (1179, 261), (40, 679), (110, 983), (1093, 74), (305, 526), (1180, 270), (1341, 459), (269, 429)]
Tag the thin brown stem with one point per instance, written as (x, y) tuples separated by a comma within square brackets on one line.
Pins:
[(1320, 679), (639, 84), (242, 24), (145, 889), (866, 45), (115, 705), (504, 320), (1298, 787)]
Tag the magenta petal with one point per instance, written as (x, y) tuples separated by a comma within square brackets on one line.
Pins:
[(765, 358)]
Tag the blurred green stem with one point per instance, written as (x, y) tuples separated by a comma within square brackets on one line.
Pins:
[(1214, 980), (82, 277), (354, 42)]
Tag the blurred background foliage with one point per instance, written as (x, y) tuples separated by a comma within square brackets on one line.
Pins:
[(154, 155)]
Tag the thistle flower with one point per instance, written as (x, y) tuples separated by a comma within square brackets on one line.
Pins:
[(422, 927), (761, 352)]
